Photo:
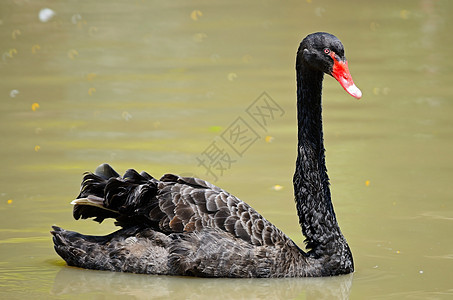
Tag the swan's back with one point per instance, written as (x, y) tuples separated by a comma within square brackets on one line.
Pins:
[(173, 204)]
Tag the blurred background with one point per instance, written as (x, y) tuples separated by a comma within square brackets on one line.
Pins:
[(156, 85)]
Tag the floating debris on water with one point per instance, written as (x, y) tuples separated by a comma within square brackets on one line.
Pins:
[(46, 14), (126, 116), (13, 93), (76, 18), (232, 76), (9, 54)]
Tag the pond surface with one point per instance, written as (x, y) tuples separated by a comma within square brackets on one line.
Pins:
[(153, 86)]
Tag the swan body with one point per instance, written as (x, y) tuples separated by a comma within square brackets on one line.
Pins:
[(186, 226)]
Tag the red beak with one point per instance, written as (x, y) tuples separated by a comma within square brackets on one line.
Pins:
[(341, 73)]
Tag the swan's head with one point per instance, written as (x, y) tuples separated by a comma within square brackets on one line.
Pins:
[(324, 52)]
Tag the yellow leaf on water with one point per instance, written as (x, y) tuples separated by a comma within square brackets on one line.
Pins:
[(195, 14), (12, 52), (269, 139), (277, 187), (34, 106)]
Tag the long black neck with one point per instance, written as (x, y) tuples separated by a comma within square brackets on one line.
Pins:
[(311, 183)]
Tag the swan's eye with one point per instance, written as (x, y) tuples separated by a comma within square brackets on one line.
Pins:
[(327, 51)]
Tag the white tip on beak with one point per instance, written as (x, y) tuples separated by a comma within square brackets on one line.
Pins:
[(354, 91)]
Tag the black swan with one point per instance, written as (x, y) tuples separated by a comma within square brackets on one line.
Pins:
[(187, 226)]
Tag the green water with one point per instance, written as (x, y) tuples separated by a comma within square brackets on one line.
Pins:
[(155, 85)]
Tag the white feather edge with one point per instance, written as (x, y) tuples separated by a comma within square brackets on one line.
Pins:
[(92, 201)]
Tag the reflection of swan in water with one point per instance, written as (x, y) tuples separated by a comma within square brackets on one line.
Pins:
[(187, 226), (72, 281)]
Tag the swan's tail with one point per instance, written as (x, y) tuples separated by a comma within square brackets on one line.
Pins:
[(134, 249), (105, 194), (76, 249)]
